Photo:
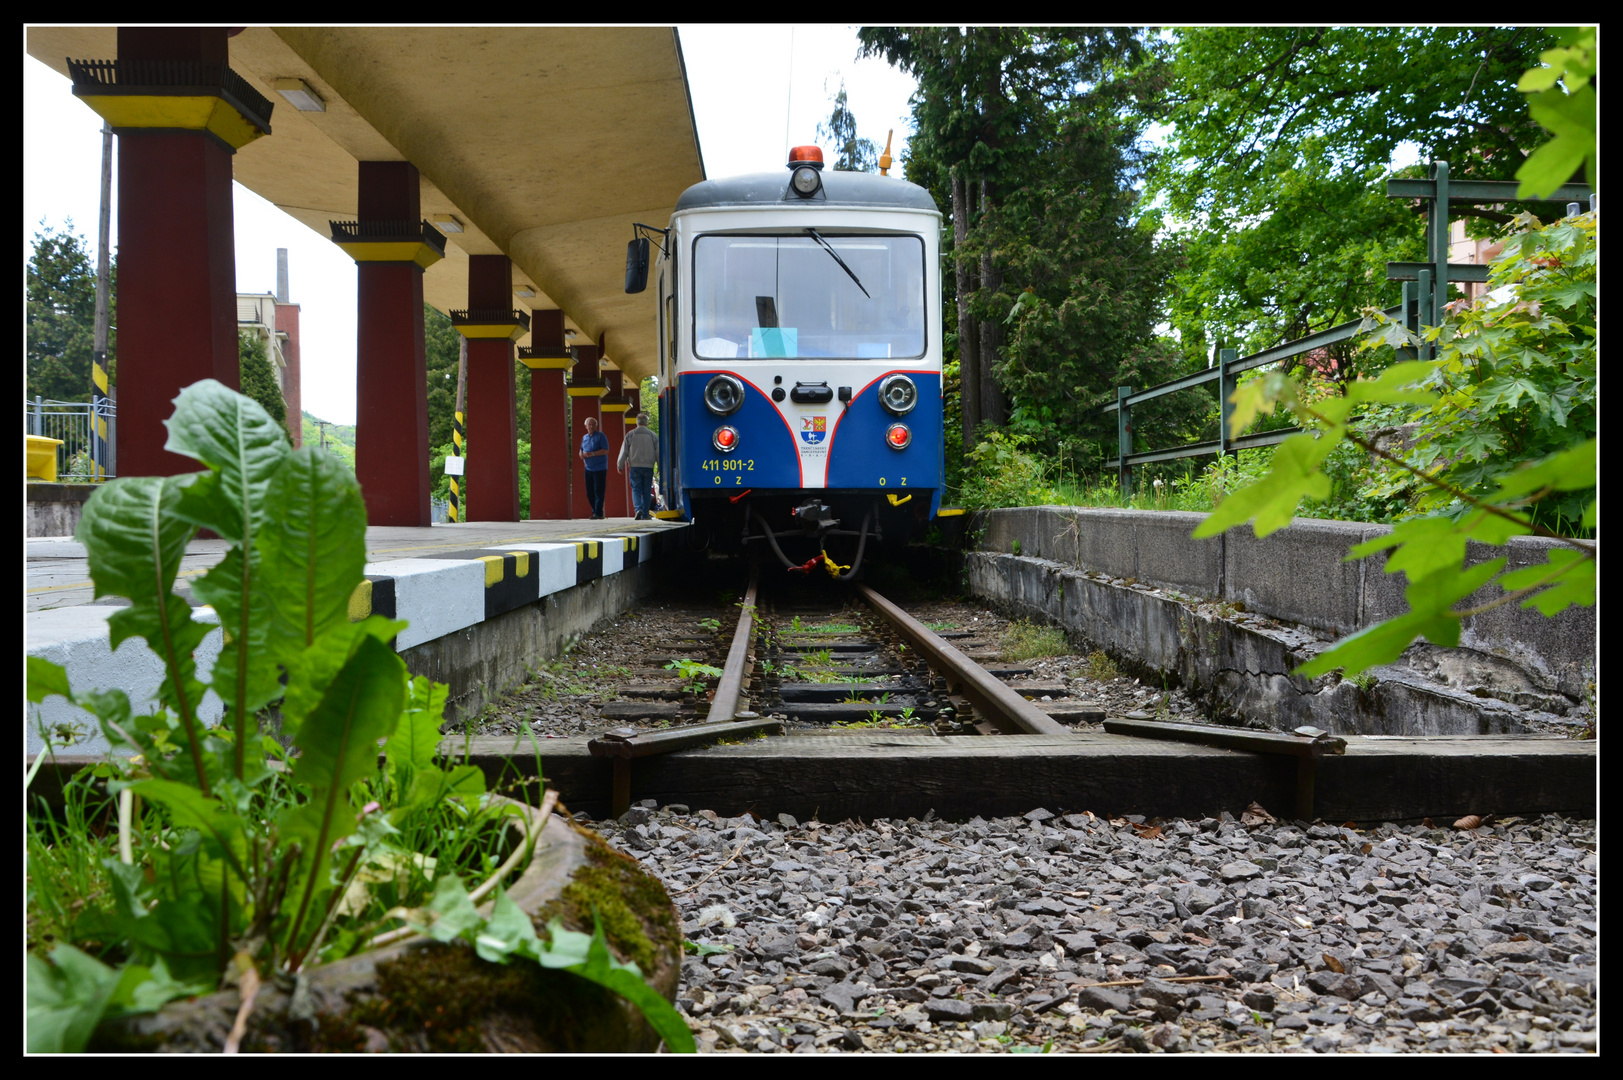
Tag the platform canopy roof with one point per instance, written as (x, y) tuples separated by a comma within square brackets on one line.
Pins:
[(545, 143)]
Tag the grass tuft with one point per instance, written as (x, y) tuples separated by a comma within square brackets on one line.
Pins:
[(1028, 641)]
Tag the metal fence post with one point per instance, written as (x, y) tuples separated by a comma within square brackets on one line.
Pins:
[(1225, 389), (39, 415), (1124, 440), (1425, 298), (1437, 253)]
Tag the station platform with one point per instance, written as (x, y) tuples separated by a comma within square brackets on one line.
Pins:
[(482, 599), (57, 576)]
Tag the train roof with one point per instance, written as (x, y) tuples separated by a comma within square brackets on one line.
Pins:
[(855, 189)]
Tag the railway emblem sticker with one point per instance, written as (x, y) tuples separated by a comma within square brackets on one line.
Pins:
[(813, 429)]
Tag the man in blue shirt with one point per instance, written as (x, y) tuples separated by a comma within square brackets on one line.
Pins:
[(594, 452)]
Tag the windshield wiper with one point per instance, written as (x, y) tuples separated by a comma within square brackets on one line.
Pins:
[(836, 256)]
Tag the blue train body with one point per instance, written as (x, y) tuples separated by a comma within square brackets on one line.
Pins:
[(800, 362)]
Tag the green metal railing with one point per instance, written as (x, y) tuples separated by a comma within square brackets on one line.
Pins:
[(1425, 292)]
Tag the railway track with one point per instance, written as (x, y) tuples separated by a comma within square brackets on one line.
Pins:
[(799, 667)]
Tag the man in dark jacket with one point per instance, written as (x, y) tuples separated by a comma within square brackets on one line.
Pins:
[(640, 452)]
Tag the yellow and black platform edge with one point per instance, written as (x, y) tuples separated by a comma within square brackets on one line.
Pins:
[(588, 560), (511, 577)]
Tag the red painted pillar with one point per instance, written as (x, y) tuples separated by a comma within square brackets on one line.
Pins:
[(390, 247), (492, 407), (550, 459), (177, 261), (585, 390), (613, 408)]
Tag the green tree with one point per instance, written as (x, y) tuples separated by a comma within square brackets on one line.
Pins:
[(984, 113), (443, 347), (442, 343), (648, 391), (1277, 138), (258, 377), (1089, 278), (60, 282), (851, 152)]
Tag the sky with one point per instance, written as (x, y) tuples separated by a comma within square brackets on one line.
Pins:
[(793, 72)]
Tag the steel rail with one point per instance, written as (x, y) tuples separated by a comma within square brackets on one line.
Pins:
[(729, 690), (1006, 709)]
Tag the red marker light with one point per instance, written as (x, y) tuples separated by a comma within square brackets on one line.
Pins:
[(898, 436), (805, 155), (725, 439)]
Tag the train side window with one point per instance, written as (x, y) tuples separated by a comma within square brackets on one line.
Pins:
[(670, 330)]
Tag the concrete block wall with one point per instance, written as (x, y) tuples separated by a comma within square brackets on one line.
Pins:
[(1104, 575)]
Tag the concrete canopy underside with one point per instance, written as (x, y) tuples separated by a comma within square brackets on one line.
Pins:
[(546, 143)]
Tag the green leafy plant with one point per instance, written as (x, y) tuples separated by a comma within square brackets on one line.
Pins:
[(1100, 667), (693, 673), (1562, 99), (248, 860), (711, 625), (1503, 446)]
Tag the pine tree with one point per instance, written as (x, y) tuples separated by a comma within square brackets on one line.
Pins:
[(61, 313), (258, 380), (851, 154)]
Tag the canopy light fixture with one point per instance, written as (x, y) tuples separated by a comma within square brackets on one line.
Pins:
[(447, 223), (300, 96), (569, 333), (524, 290)]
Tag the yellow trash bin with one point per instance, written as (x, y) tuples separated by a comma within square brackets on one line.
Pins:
[(42, 458)]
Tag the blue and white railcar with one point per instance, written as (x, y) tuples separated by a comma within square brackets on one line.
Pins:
[(800, 360)]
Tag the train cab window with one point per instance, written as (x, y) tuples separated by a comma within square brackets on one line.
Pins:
[(826, 296)]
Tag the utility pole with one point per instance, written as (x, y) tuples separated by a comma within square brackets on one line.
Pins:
[(459, 431), (323, 425), (104, 266)]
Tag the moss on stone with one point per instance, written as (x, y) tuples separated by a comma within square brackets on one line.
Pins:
[(443, 998), (631, 904)]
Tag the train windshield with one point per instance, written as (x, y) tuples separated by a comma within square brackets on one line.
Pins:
[(788, 296)]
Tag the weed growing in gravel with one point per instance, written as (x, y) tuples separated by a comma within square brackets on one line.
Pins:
[(692, 673), (833, 628), (557, 678), (1027, 641), (1100, 667), (711, 625)]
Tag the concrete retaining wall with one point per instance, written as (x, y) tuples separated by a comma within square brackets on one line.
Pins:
[(55, 509), (1231, 616)]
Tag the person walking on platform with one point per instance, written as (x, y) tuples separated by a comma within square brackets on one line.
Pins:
[(639, 452), (594, 454)]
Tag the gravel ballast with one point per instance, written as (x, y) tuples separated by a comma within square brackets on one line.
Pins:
[(1074, 933)]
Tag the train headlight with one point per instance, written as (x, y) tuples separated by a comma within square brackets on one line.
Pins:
[(898, 437), (898, 394), (723, 395), (806, 165), (725, 439)]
